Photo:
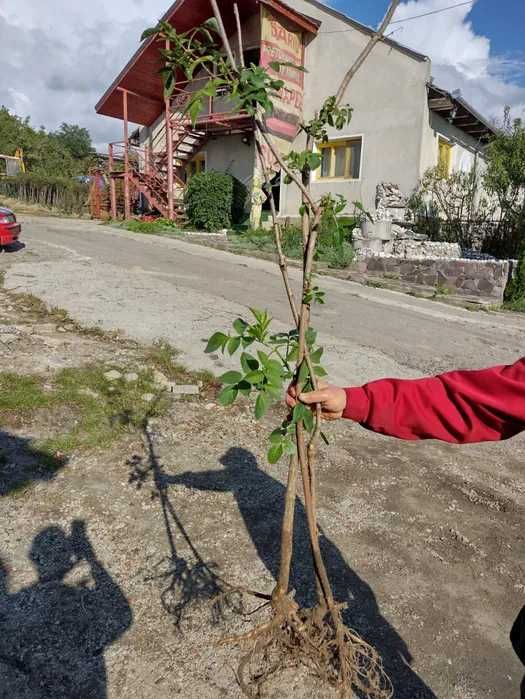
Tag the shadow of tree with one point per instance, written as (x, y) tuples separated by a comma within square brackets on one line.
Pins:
[(187, 580), (260, 499), (53, 634), (21, 464)]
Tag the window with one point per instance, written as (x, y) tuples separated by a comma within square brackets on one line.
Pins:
[(195, 166), (341, 159), (444, 157)]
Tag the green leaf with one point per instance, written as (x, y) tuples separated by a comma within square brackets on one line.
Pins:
[(275, 453), (231, 377), (304, 374), (234, 344), (317, 355), (215, 342), (248, 363), (311, 337), (277, 435), (308, 420), (254, 377), (319, 371), (289, 447), (228, 395), (261, 405), (299, 412), (240, 326)]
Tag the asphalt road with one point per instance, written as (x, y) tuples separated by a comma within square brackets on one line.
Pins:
[(151, 287)]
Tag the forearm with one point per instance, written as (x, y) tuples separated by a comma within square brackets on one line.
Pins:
[(459, 407)]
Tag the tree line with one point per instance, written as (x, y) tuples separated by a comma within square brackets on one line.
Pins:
[(66, 152)]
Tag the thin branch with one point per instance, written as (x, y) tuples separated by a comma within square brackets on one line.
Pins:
[(283, 264), (366, 51), (222, 32), (239, 34), (284, 166)]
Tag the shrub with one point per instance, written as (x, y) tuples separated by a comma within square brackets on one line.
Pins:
[(339, 257), (60, 193), (215, 200), (515, 292)]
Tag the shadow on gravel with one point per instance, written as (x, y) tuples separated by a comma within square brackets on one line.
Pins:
[(21, 464), (186, 578), (54, 634), (261, 500)]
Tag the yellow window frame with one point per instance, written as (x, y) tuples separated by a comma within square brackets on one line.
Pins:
[(444, 156), (333, 146), (196, 165)]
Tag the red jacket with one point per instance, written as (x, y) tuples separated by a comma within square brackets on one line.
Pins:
[(460, 407)]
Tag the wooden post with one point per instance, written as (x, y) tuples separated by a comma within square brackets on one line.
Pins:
[(112, 184), (127, 194), (169, 152)]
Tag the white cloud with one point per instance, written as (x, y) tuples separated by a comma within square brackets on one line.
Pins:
[(57, 57), (461, 59)]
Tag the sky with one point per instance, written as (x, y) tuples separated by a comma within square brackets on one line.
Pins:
[(58, 56)]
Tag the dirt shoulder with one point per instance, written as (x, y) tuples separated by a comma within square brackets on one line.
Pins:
[(114, 548)]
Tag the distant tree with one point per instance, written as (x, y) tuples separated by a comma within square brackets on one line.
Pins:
[(65, 153), (505, 176), (76, 139)]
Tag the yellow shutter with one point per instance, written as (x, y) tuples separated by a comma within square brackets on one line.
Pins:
[(445, 157)]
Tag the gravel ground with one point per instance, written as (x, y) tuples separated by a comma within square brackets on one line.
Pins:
[(109, 568)]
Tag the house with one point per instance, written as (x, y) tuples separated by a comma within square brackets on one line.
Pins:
[(402, 123)]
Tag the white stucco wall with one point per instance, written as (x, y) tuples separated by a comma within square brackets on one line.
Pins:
[(230, 154), (466, 151), (388, 95)]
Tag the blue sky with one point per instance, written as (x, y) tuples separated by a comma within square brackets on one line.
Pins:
[(478, 48), (503, 22)]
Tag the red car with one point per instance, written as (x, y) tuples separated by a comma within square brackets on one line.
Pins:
[(9, 229)]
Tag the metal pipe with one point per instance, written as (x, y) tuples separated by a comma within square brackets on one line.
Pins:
[(169, 151), (127, 194)]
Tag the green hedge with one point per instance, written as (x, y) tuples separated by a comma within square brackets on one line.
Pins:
[(57, 193), (215, 200)]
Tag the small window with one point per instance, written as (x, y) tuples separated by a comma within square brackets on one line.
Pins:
[(444, 157), (196, 166), (341, 159)]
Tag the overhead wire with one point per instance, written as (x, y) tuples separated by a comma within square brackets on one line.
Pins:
[(407, 19)]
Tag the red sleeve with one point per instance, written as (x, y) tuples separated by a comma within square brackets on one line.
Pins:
[(460, 407)]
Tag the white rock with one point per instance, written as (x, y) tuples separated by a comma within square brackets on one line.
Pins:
[(112, 375), (89, 392), (184, 390), (131, 377), (148, 398)]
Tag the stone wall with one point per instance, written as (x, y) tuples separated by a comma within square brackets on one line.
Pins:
[(485, 280)]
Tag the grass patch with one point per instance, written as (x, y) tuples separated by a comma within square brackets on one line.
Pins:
[(159, 226), (21, 394), (101, 410), (336, 256), (163, 357)]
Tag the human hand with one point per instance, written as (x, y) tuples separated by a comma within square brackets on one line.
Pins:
[(332, 400)]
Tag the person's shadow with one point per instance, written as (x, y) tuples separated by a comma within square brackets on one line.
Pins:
[(53, 635), (261, 500)]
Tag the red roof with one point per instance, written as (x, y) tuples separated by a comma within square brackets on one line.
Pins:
[(141, 75)]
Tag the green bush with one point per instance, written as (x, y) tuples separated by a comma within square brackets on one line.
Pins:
[(215, 200), (338, 257), (59, 193), (515, 292)]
